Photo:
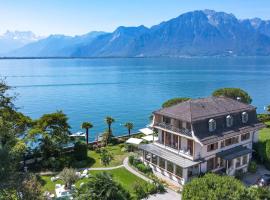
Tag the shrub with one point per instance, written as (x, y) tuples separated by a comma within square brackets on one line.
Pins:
[(80, 151), (143, 168), (239, 174), (131, 159), (140, 191), (252, 167)]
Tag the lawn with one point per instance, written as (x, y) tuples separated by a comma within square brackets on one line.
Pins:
[(121, 175), (264, 133), (118, 156), (93, 159)]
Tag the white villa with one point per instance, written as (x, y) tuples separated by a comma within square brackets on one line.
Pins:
[(210, 134)]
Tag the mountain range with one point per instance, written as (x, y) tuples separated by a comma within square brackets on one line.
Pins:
[(196, 33)]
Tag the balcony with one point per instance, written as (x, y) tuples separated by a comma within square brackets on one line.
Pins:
[(173, 128)]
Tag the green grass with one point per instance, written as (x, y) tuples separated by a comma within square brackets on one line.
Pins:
[(264, 133), (118, 156), (124, 177), (121, 175), (93, 159)]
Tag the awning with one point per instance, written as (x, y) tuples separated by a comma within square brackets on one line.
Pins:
[(149, 138), (146, 131), (234, 153), (167, 155), (134, 141)]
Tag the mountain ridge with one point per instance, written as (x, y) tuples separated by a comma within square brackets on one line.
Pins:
[(195, 33)]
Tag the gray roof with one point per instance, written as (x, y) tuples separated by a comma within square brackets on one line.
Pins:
[(234, 153), (208, 138), (168, 155), (202, 108)]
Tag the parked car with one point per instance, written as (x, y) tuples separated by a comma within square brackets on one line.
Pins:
[(264, 180)]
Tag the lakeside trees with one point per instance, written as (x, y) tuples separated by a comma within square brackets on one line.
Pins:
[(233, 93), (174, 101), (87, 126)]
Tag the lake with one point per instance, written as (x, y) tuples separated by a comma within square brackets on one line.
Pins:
[(128, 89)]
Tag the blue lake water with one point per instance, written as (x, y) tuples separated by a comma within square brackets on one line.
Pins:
[(127, 89)]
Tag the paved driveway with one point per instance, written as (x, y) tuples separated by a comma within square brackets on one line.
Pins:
[(251, 179), (169, 195)]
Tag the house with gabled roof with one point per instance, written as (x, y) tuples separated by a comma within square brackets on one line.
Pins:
[(213, 134)]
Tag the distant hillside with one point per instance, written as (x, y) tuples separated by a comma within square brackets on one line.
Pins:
[(197, 33), (12, 40)]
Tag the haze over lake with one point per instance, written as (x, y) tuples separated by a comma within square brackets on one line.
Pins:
[(128, 89)]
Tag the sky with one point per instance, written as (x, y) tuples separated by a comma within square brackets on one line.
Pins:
[(75, 17)]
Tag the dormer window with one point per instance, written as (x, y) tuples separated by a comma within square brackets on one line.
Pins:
[(244, 117), (212, 125), (229, 121)]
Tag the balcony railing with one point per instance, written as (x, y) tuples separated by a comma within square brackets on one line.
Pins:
[(173, 128)]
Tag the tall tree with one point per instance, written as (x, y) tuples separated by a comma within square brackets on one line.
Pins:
[(102, 187), (87, 126), (129, 126), (233, 93), (105, 157), (54, 131), (13, 125), (216, 187), (109, 120)]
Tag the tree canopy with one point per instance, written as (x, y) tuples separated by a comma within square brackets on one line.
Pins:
[(102, 186), (174, 101), (216, 187), (233, 93)]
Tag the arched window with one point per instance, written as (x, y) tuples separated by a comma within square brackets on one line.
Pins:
[(244, 117), (212, 125), (229, 121)]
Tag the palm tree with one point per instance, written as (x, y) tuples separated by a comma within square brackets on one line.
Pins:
[(87, 126), (109, 120), (68, 176), (129, 126)]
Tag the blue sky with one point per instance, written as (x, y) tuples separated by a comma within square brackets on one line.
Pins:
[(73, 17)]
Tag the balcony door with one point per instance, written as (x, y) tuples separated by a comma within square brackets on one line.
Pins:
[(190, 146)]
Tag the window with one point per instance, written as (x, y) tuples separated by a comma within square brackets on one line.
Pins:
[(212, 147), (222, 144), (212, 163), (175, 141), (161, 163), (212, 125), (147, 156), (190, 146), (168, 139), (245, 160), (188, 126), (229, 121), (154, 159), (179, 171), (231, 141), (245, 136), (169, 166), (244, 117), (166, 120)]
